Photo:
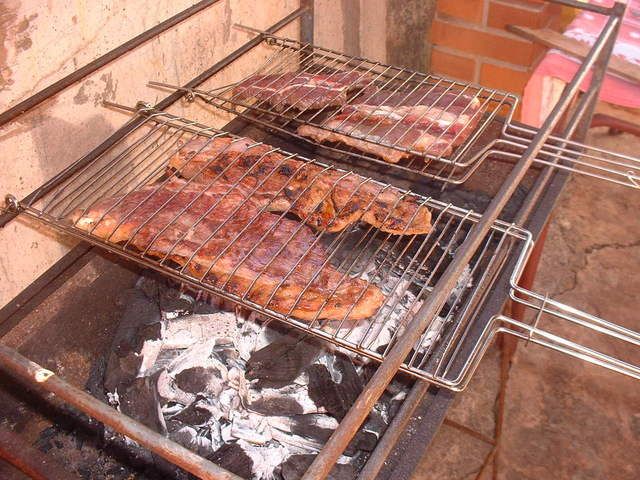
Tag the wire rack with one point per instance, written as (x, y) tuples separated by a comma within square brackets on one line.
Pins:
[(402, 268), (456, 114)]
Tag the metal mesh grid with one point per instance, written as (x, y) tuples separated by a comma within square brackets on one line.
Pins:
[(403, 267), (457, 113)]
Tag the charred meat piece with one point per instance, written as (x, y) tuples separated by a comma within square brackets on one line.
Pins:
[(226, 242), (324, 198), (380, 138), (299, 90), (387, 123)]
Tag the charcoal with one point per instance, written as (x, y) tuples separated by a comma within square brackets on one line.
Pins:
[(145, 311), (189, 438), (364, 440), (281, 362), (150, 283), (174, 302), (195, 379), (312, 426), (121, 369), (276, 406), (139, 400), (336, 397), (295, 466), (232, 457), (193, 415)]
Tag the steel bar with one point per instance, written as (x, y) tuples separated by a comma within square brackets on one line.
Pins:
[(580, 5), (341, 437), (35, 375), (136, 122), (100, 62), (394, 431), (306, 22), (30, 460), (580, 120)]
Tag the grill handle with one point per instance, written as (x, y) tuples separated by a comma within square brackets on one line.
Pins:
[(531, 332)]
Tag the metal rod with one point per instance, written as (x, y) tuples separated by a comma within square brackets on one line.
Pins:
[(100, 62), (581, 5), (398, 425), (136, 122), (580, 120), (306, 22), (33, 374), (341, 437), (394, 431)]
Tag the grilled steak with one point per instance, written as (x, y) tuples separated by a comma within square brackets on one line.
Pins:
[(431, 121), (379, 137), (302, 91), (324, 198), (224, 240)]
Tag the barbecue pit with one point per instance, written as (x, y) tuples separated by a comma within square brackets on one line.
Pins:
[(442, 280)]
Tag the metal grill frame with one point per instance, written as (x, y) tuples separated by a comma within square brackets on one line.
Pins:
[(455, 169), (576, 125), (558, 152), (448, 223)]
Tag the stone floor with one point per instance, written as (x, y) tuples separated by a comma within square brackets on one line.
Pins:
[(562, 418)]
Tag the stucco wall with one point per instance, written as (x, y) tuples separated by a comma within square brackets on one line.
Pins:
[(42, 41)]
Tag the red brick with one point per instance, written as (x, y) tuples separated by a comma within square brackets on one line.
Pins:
[(483, 42), (451, 65), (470, 10), (501, 15), (504, 78)]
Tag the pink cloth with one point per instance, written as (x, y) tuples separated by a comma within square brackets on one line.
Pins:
[(586, 27)]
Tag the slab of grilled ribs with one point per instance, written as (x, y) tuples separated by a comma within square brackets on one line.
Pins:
[(299, 90), (326, 199), (227, 241), (387, 124)]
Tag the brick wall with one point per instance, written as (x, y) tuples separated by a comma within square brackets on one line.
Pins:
[(469, 40)]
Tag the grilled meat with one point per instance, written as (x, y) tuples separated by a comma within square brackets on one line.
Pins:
[(379, 137), (223, 239), (324, 198), (299, 90), (387, 123)]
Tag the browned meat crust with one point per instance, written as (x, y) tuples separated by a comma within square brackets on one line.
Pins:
[(221, 238), (326, 199)]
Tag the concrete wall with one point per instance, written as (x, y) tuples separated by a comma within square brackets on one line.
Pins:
[(42, 41)]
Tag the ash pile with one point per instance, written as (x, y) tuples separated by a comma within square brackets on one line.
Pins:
[(253, 396)]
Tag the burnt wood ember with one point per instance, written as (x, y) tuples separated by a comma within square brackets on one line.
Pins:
[(296, 465), (232, 457), (336, 395), (195, 379), (326, 199), (139, 399), (281, 362), (241, 425), (302, 91), (275, 262)]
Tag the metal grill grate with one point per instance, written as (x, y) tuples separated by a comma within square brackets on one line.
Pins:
[(403, 267), (451, 115)]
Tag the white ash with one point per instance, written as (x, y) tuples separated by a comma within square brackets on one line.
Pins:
[(328, 360), (221, 344), (401, 305)]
